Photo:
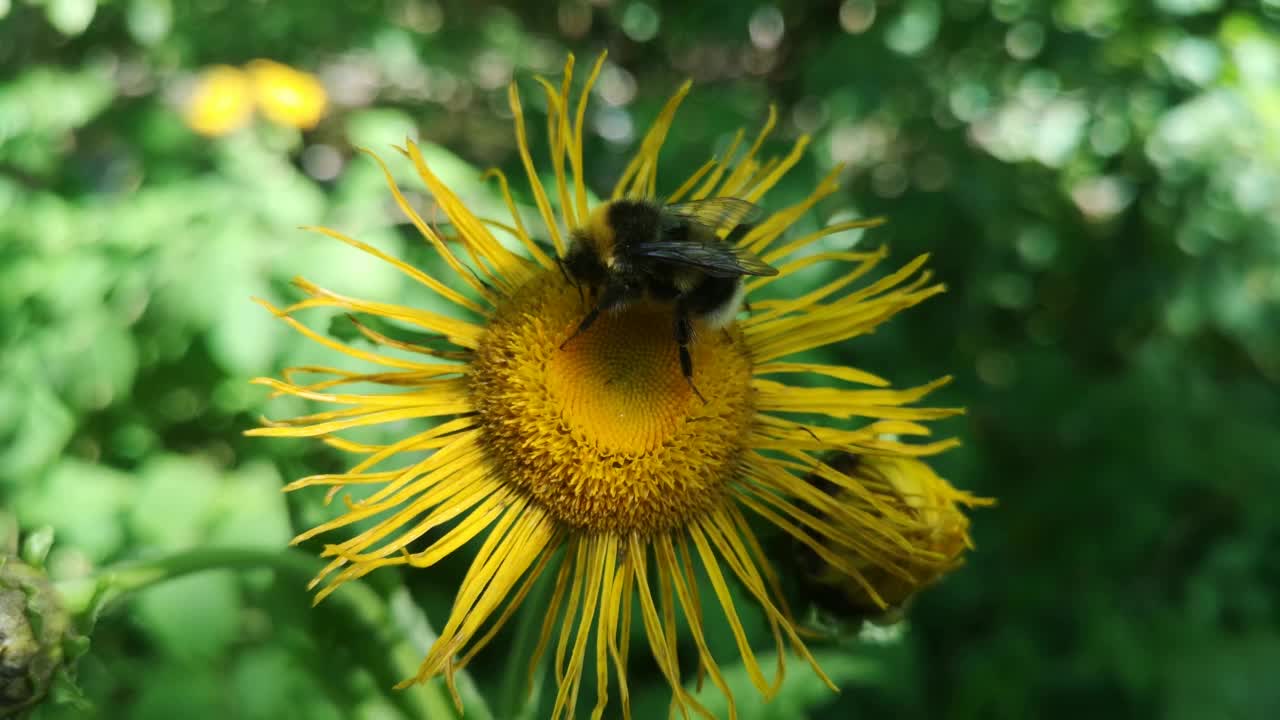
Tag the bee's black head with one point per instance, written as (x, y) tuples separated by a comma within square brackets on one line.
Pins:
[(583, 265)]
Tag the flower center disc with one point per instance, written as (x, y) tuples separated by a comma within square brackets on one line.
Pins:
[(606, 434)]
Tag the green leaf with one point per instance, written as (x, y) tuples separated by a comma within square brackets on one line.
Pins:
[(66, 692), (46, 101), (250, 510), (82, 502), (272, 191), (269, 683), (174, 503), (194, 618), (341, 268), (92, 358), (379, 129), (172, 690), (149, 20), (8, 534), (35, 425), (802, 691), (70, 17), (245, 338), (35, 547), (1224, 677)]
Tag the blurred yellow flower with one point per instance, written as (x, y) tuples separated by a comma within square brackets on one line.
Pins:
[(221, 101), (286, 96), (601, 447)]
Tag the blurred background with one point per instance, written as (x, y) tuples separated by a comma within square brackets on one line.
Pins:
[(1098, 184)]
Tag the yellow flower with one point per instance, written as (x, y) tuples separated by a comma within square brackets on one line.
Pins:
[(911, 486), (286, 96), (601, 447), (221, 102)]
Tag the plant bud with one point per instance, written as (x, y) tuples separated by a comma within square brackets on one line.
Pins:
[(33, 624)]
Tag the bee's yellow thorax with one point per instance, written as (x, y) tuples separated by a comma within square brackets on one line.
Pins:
[(601, 234)]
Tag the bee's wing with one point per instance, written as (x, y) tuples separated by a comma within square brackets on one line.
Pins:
[(716, 258), (716, 213)]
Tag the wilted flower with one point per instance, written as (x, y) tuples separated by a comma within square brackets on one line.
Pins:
[(602, 447)]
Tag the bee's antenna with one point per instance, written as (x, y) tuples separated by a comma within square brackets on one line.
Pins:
[(435, 227), (479, 279), (565, 272)]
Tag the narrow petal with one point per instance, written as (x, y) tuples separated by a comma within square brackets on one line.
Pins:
[(689, 184), (759, 187), (458, 332), (535, 182), (509, 270), (581, 550), (746, 573), (663, 653), (607, 626), (438, 287), (431, 236), (746, 166), (597, 549), (579, 134), (839, 372), (519, 230), (513, 604), (841, 403), (558, 137), (722, 166), (669, 568), (620, 638), (824, 324), (553, 609), (639, 178), (759, 239), (808, 239), (343, 348), (517, 540)]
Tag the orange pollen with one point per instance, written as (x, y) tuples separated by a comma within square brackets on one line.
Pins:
[(606, 434)]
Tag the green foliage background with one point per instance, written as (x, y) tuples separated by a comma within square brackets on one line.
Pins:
[(1098, 183)]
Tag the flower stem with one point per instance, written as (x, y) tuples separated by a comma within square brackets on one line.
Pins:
[(356, 605)]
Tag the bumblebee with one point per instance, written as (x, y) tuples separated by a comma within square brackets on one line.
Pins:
[(630, 250)]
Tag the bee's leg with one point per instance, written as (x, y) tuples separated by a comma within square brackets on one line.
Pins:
[(684, 331), (613, 296)]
